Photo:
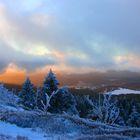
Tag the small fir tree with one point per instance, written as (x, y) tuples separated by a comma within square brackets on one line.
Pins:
[(27, 94), (50, 83)]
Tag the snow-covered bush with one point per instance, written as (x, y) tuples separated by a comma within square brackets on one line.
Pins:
[(7, 97), (46, 105), (105, 111)]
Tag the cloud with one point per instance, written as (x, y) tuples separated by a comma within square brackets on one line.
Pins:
[(27, 62), (91, 34)]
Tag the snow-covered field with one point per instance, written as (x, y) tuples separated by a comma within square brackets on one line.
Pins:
[(18, 133), (29, 125), (15, 131), (125, 91)]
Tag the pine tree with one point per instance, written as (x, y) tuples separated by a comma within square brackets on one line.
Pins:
[(50, 83), (27, 94), (134, 118)]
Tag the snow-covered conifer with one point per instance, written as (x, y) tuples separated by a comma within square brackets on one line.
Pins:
[(27, 94), (50, 83)]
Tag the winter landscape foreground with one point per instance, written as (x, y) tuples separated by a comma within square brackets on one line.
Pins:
[(27, 125), (59, 115)]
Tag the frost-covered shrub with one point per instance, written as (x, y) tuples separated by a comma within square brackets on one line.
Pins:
[(7, 97), (63, 101), (46, 105), (105, 111)]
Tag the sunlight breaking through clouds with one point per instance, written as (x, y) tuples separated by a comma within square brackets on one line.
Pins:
[(89, 35)]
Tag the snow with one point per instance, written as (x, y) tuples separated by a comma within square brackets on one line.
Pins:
[(124, 91), (14, 131), (7, 97), (82, 128), (10, 108)]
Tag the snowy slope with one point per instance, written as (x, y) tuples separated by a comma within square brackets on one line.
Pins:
[(63, 127), (121, 91), (14, 131)]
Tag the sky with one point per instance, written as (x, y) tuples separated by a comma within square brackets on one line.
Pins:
[(68, 36)]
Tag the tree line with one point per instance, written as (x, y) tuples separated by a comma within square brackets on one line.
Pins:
[(50, 98)]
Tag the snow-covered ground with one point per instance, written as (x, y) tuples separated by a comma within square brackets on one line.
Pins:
[(15, 131), (121, 91), (27, 124)]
